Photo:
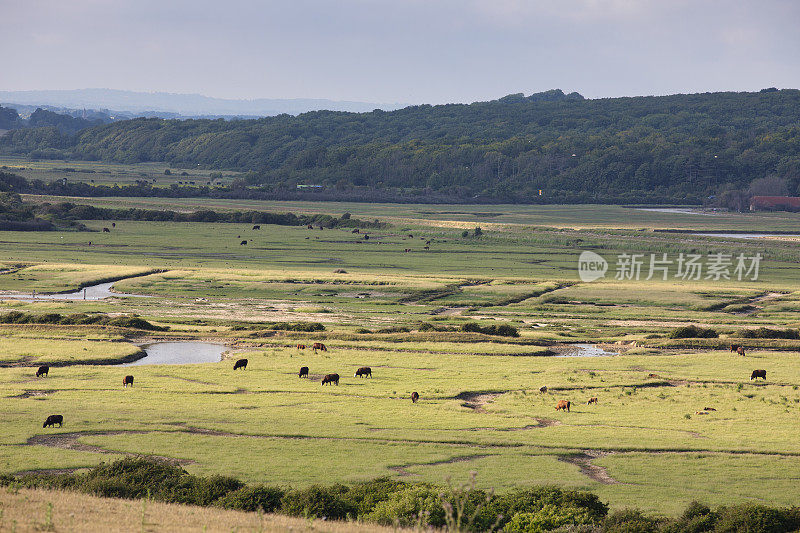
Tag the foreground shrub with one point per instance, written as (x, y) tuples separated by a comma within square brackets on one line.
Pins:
[(317, 502), (411, 506), (693, 332), (363, 497), (547, 518), (533, 500), (258, 497), (757, 518), (631, 521)]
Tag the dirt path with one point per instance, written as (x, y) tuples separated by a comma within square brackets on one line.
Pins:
[(477, 400), (594, 472)]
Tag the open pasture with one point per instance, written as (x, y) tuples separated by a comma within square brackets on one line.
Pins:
[(402, 313)]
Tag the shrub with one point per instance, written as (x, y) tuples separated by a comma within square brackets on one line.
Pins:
[(415, 504), (548, 517), (298, 326), (767, 333), (532, 500), (258, 497), (757, 518), (693, 332), (631, 521), (503, 330), (317, 501), (363, 497)]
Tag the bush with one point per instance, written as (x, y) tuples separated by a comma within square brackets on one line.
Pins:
[(17, 317), (298, 326), (631, 521), (415, 504), (258, 497), (532, 500), (767, 333), (693, 332), (318, 502), (548, 517), (363, 497), (503, 330), (757, 518)]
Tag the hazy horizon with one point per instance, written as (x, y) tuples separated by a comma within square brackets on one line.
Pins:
[(409, 52)]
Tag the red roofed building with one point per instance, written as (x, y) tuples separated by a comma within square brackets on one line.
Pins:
[(775, 203)]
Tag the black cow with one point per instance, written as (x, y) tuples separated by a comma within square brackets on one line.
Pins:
[(127, 380), (106, 230), (303, 372), (414, 396), (363, 372), (330, 378), (758, 374), (52, 420), (242, 243), (113, 224), (241, 363), (43, 371), (256, 227)]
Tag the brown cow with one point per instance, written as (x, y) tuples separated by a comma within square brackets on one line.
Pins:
[(414, 397), (563, 404), (303, 371), (591, 401), (331, 378), (127, 380), (735, 347), (43, 371), (363, 372), (52, 420), (652, 375), (301, 346), (319, 346), (241, 363), (758, 374), (740, 350)]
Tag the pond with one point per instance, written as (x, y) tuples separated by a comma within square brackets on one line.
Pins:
[(93, 292), (582, 350), (180, 353)]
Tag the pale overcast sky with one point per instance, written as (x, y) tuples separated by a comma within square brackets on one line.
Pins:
[(410, 51)]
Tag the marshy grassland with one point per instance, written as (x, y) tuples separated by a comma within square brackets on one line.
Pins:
[(677, 419)]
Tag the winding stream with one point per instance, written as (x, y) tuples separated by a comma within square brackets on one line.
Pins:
[(90, 293)]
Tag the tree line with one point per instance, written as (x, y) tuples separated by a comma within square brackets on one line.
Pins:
[(676, 149)]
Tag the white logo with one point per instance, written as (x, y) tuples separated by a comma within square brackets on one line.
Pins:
[(591, 266)]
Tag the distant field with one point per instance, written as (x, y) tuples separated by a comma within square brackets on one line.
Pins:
[(648, 443)]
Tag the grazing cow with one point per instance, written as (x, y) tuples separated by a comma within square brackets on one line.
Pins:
[(708, 409), (242, 243), (652, 375), (43, 371), (366, 237), (543, 388), (241, 363), (758, 374), (113, 224), (563, 405), (310, 226), (700, 413), (303, 372), (414, 397), (364, 372), (256, 227), (735, 347), (127, 380), (740, 350), (52, 420), (330, 378), (301, 346), (106, 230), (427, 247), (410, 235), (319, 346), (591, 401), (356, 231)]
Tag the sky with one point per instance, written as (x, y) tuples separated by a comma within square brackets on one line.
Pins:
[(408, 51)]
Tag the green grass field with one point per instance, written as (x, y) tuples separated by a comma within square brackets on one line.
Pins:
[(648, 443)]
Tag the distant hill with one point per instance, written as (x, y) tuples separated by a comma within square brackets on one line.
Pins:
[(669, 149), (170, 105)]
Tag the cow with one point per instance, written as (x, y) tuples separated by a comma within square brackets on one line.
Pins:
[(366, 237), (735, 347), (127, 380), (363, 372), (410, 235), (52, 420), (591, 401), (330, 378), (301, 346), (740, 351), (758, 374), (106, 230), (113, 224), (414, 397), (43, 371), (303, 372), (563, 405), (256, 227), (652, 375), (356, 231), (708, 409), (427, 247), (310, 226), (543, 388), (319, 346), (241, 363), (242, 243)]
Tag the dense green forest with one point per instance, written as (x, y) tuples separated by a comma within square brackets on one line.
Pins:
[(680, 148)]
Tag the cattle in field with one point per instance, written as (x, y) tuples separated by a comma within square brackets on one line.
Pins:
[(52, 420), (43, 371), (740, 350), (758, 374), (543, 388), (127, 380), (563, 405), (356, 231), (330, 378), (303, 372), (310, 226), (708, 409), (735, 347), (256, 227), (319, 346), (241, 363), (363, 372), (414, 397), (301, 346), (106, 230), (113, 224), (652, 375), (242, 243), (427, 247), (410, 235), (591, 401)]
